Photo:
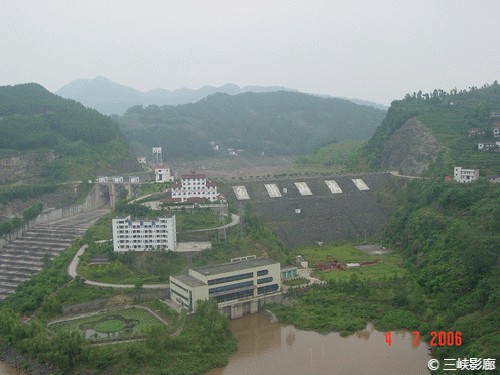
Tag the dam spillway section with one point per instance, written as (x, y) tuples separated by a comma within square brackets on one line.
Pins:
[(27, 254)]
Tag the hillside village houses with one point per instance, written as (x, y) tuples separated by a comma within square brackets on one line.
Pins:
[(475, 132), (194, 186), (492, 147), (144, 235), (465, 175)]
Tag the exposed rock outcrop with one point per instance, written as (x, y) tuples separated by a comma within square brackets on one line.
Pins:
[(24, 168), (410, 149)]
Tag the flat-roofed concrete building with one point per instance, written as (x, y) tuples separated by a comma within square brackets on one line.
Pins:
[(236, 286), (144, 235), (163, 174), (465, 175)]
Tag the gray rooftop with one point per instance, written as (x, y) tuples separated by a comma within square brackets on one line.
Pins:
[(189, 280), (234, 266)]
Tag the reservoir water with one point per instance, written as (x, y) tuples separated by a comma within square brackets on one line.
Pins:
[(271, 348), (5, 369)]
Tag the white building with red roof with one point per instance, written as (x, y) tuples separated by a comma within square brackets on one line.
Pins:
[(194, 186)]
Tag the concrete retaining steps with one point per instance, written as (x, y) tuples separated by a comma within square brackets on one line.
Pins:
[(26, 255)]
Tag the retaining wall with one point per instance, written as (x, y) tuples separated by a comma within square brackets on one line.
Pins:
[(96, 199)]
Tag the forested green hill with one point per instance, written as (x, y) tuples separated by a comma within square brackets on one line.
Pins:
[(448, 117), (424, 134), (64, 139), (448, 233), (277, 123)]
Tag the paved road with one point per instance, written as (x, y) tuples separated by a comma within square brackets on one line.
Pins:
[(74, 265), (396, 173)]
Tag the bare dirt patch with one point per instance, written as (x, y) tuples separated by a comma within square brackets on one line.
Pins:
[(374, 249)]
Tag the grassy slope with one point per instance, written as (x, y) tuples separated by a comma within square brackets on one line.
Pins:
[(389, 265)]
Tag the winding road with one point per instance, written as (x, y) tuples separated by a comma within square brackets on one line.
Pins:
[(74, 265)]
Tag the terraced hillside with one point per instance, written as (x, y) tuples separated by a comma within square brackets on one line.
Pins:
[(347, 214), (26, 255)]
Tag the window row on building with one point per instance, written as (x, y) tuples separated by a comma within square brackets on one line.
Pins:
[(194, 186), (233, 282), (143, 235)]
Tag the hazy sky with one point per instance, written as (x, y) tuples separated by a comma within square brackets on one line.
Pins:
[(376, 50)]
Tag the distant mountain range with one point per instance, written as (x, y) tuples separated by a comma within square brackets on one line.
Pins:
[(109, 97)]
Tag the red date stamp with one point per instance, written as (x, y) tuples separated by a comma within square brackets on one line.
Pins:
[(438, 338), (443, 338)]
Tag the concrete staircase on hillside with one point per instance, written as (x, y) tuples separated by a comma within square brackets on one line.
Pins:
[(26, 255)]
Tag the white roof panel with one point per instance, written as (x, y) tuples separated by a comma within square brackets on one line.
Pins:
[(360, 184), (333, 186), (273, 190), (303, 188), (241, 193)]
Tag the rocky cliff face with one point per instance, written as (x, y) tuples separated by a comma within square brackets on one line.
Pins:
[(410, 149), (23, 168)]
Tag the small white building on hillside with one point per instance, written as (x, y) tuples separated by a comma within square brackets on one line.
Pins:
[(465, 175), (144, 235), (163, 174)]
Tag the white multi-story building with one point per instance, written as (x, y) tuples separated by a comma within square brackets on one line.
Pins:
[(465, 175), (194, 186), (243, 281), (144, 235), (163, 174)]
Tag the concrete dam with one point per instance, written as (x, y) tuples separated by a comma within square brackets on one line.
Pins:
[(304, 211)]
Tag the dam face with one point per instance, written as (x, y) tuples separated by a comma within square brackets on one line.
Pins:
[(302, 211)]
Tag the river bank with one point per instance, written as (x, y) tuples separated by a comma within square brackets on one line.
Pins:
[(11, 363), (265, 347)]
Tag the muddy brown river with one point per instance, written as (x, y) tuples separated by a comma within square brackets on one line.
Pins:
[(5, 369), (269, 348)]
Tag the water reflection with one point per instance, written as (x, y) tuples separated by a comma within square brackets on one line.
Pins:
[(268, 348)]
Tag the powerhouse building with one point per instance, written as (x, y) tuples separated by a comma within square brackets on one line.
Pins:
[(242, 281), (194, 186), (144, 235)]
